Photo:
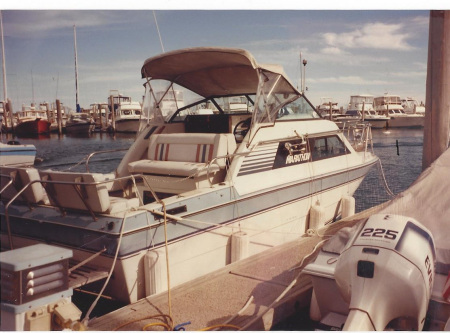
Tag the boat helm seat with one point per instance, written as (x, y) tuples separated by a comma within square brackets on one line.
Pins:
[(181, 162), (68, 190), (34, 194)]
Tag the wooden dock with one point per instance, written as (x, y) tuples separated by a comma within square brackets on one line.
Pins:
[(216, 298)]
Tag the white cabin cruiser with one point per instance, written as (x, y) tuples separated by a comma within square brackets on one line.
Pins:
[(195, 191), (411, 105), (361, 107), (391, 106), (128, 115), (328, 108)]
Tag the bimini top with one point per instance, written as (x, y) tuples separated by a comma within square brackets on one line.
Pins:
[(210, 71)]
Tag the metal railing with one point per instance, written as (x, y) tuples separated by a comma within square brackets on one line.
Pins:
[(77, 189)]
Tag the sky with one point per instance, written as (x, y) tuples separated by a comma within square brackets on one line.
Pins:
[(368, 51)]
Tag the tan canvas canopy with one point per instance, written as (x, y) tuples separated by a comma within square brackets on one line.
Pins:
[(210, 71)]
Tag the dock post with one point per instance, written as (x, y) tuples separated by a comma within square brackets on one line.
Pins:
[(58, 115), (99, 109), (113, 115), (437, 104), (5, 118), (47, 111), (106, 117), (331, 111), (10, 113), (362, 111)]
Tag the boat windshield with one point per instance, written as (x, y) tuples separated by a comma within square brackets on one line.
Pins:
[(268, 97), (360, 99)]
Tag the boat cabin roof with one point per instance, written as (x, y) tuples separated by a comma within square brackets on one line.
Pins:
[(209, 71)]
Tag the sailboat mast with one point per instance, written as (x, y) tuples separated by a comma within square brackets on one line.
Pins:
[(5, 96), (76, 68)]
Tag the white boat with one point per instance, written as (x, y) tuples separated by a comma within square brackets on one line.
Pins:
[(411, 105), (361, 107), (196, 192), (169, 102), (327, 104), (80, 124), (127, 115), (13, 153), (391, 106)]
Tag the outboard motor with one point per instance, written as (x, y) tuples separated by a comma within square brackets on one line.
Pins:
[(386, 273), (377, 275)]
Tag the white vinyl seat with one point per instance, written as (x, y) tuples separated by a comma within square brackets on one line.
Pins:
[(185, 156), (33, 194), (84, 196)]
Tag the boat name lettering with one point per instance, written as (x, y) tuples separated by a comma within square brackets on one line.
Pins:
[(297, 158)]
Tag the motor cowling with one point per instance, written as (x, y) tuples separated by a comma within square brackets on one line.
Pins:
[(386, 274)]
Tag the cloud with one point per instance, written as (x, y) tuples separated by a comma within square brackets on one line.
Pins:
[(332, 50), (56, 22), (371, 36), (356, 80)]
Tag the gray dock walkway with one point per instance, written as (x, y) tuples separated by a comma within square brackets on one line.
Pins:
[(216, 297)]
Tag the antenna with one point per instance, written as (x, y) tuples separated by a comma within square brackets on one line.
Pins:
[(76, 68), (5, 96), (159, 34)]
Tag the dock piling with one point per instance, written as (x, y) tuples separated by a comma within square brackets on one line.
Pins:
[(58, 115)]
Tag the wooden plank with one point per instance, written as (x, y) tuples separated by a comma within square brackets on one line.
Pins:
[(85, 275)]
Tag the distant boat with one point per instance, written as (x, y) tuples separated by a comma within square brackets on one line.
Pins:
[(324, 108), (391, 106), (80, 123), (13, 153), (361, 107), (411, 105), (31, 122), (128, 115)]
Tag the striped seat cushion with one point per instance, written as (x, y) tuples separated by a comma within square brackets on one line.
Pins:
[(181, 152)]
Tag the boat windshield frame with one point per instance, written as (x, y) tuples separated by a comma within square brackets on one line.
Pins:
[(241, 76)]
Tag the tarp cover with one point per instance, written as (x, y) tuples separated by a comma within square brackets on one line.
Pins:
[(428, 201), (209, 71)]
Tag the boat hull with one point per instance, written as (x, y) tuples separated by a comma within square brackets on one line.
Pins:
[(412, 121), (377, 123), (79, 128), (15, 155), (198, 244), (33, 127), (127, 125)]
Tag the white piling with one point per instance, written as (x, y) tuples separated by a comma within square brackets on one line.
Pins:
[(239, 246), (348, 206), (155, 272), (316, 216)]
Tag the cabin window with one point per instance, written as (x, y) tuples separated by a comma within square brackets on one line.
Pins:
[(326, 147), (137, 112), (126, 112)]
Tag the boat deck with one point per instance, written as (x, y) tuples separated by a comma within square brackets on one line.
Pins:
[(217, 297)]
